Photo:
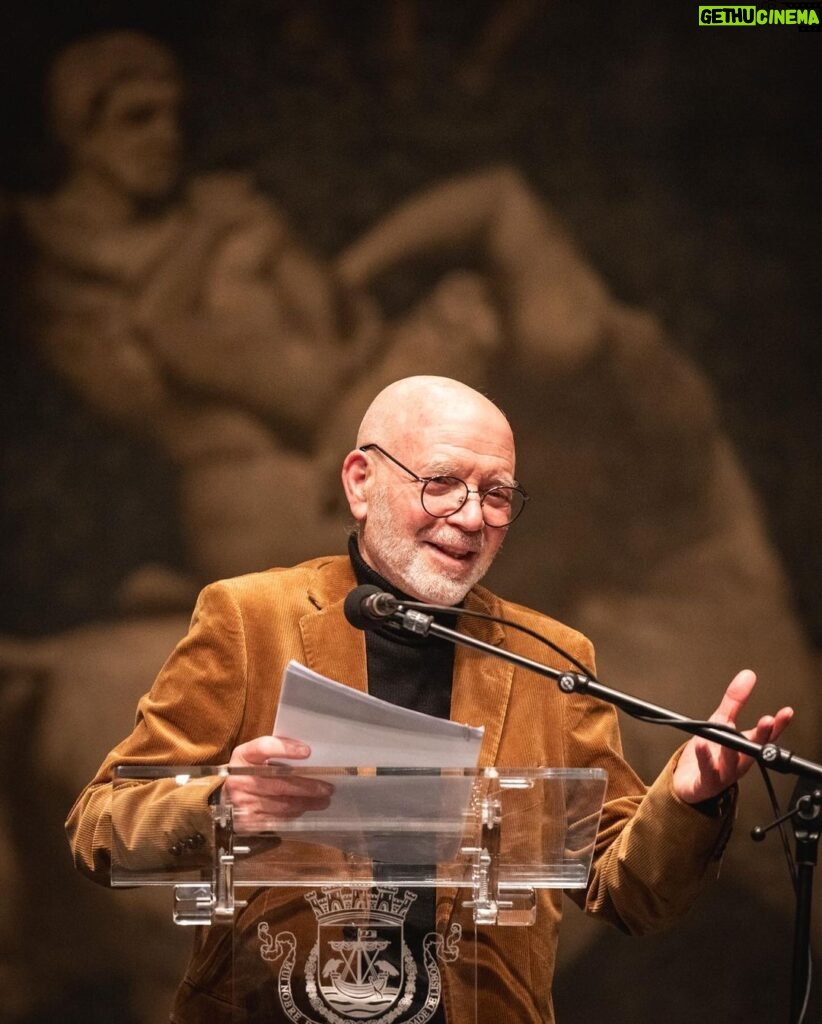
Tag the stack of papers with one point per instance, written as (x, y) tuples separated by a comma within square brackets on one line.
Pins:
[(346, 728), (405, 817)]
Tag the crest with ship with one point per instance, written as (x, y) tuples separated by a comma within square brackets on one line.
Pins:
[(361, 966)]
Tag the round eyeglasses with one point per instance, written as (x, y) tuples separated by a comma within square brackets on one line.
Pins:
[(443, 496)]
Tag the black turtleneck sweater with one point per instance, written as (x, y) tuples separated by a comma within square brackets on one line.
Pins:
[(403, 668), (415, 672)]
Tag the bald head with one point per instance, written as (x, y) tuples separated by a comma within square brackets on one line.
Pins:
[(446, 409)]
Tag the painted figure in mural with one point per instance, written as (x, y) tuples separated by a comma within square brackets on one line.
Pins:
[(189, 312), (143, 282), (429, 533)]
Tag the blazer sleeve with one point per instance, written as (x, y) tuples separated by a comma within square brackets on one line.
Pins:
[(654, 853), (200, 692)]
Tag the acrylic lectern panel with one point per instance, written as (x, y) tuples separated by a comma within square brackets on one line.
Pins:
[(370, 909)]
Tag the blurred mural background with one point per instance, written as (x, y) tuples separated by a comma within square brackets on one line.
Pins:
[(614, 230)]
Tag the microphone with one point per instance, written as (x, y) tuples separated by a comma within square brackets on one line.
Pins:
[(367, 606)]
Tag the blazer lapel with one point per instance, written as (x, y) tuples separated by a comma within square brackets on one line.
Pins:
[(482, 683), (333, 647)]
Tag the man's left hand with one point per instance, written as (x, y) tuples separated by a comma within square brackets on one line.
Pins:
[(706, 769)]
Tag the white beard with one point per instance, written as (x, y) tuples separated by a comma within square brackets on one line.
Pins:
[(402, 559)]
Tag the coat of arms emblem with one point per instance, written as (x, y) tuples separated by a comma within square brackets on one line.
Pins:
[(360, 968)]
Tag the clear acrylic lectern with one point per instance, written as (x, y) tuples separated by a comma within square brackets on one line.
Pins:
[(369, 909)]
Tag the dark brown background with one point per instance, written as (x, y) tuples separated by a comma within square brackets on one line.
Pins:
[(685, 161)]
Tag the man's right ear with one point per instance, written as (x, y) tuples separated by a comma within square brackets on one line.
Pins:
[(355, 476)]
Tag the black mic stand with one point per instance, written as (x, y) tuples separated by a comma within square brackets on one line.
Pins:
[(806, 830), (806, 817), (769, 755)]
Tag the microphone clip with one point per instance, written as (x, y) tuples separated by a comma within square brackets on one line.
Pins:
[(413, 621)]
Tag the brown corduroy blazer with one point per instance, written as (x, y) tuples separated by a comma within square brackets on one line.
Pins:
[(220, 687)]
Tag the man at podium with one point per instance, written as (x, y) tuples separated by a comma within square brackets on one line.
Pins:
[(432, 490)]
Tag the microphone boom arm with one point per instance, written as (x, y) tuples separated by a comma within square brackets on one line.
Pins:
[(769, 754)]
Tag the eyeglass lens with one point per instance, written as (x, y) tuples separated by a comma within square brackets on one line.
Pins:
[(444, 495)]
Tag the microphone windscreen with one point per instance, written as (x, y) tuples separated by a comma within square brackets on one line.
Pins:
[(353, 607)]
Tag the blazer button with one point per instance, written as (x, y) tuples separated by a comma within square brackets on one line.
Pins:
[(177, 849)]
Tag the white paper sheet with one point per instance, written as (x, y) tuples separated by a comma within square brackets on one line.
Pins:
[(419, 819), (346, 728)]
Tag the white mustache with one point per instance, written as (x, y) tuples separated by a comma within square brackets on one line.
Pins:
[(456, 540)]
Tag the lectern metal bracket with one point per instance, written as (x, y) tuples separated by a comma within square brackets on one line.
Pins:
[(494, 902), (198, 903), (193, 903)]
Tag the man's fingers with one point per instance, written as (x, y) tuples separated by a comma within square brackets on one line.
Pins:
[(782, 719), (268, 748), (256, 815), (704, 759), (288, 809), (770, 727), (292, 787), (269, 809), (735, 697), (260, 801)]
